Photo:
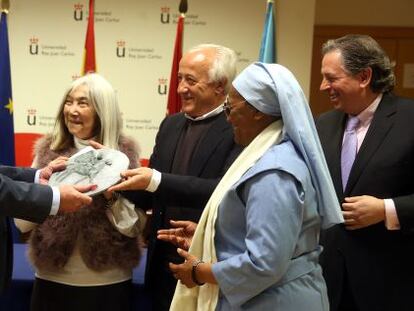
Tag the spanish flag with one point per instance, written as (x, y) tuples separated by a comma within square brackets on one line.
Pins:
[(174, 100), (89, 59)]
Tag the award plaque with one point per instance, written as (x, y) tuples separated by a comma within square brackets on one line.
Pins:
[(101, 167)]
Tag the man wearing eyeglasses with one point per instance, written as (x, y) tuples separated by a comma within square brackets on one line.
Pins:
[(193, 150)]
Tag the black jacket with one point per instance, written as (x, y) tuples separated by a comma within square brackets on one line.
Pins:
[(377, 262), (20, 200)]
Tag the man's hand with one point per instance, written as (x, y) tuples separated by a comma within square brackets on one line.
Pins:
[(56, 165), (72, 198), (362, 211), (136, 179), (180, 235)]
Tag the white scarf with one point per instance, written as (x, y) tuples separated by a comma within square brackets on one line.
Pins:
[(205, 298), (122, 214)]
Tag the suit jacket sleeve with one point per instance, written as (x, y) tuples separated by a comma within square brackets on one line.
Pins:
[(404, 208), (20, 198)]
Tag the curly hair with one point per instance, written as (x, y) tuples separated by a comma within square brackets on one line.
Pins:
[(360, 52)]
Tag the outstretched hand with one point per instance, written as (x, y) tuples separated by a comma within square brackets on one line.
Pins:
[(180, 235), (135, 179)]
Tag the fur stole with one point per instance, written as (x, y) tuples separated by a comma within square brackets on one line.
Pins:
[(101, 246)]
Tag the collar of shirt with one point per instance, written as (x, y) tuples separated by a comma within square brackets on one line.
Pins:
[(80, 143), (210, 114), (365, 116)]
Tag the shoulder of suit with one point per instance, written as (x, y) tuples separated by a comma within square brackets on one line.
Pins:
[(404, 101), (404, 106), (172, 119)]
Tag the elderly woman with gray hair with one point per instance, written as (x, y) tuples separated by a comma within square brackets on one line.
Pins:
[(84, 261), (256, 246)]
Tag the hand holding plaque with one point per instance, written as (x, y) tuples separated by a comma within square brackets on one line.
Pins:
[(90, 166)]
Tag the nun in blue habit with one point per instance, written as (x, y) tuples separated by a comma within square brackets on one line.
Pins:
[(256, 246)]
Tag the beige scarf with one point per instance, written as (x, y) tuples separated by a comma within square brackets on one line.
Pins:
[(204, 298)]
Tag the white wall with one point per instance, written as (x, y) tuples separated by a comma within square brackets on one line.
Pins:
[(295, 20)]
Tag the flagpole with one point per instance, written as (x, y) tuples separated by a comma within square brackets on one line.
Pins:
[(174, 100), (5, 5), (183, 7)]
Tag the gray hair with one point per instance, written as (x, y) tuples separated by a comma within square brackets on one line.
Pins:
[(224, 65), (360, 52), (103, 98)]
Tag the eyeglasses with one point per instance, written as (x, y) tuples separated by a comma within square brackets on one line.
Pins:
[(227, 107)]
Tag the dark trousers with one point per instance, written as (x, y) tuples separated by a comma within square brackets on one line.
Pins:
[(347, 301), (160, 280), (163, 290), (51, 296)]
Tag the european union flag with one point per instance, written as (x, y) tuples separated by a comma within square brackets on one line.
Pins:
[(6, 103), (268, 45)]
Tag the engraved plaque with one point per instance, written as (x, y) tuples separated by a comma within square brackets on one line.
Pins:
[(92, 166)]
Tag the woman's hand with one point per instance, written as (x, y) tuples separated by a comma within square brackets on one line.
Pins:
[(96, 145), (56, 165), (183, 271), (109, 195), (180, 235), (192, 272)]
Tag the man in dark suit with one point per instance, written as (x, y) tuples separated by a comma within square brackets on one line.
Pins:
[(368, 261), (21, 198), (193, 150)]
